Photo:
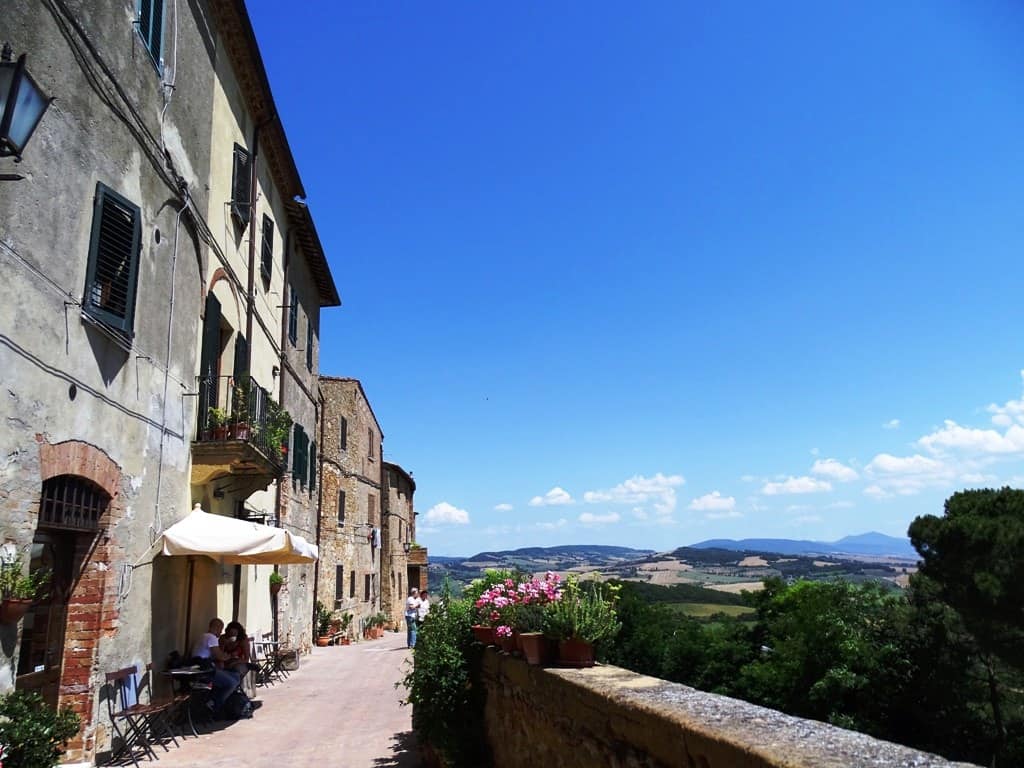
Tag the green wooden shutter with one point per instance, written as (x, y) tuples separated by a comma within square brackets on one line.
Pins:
[(241, 184), (312, 466), (208, 357), (113, 268)]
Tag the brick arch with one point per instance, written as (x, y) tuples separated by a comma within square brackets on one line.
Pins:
[(220, 274), (74, 457)]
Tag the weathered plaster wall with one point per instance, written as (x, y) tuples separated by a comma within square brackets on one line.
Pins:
[(68, 380), (580, 718), (396, 530)]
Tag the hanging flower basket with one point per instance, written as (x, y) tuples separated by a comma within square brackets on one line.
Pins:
[(12, 609)]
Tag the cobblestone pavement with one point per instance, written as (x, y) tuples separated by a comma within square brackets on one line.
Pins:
[(339, 710)]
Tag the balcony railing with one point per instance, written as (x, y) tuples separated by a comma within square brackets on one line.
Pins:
[(249, 415)]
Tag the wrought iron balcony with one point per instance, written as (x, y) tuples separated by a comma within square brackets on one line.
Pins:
[(242, 432)]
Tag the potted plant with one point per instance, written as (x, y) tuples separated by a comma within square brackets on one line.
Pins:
[(18, 591), (276, 580), (217, 421), (346, 623), (583, 617), (323, 625), (240, 412), (278, 427)]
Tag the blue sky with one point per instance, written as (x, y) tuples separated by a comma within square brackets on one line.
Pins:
[(652, 273)]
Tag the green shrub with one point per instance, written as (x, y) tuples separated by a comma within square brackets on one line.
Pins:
[(31, 734), (444, 685), (583, 613)]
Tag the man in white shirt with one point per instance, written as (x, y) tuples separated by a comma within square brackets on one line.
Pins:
[(424, 608), (412, 615), (208, 647)]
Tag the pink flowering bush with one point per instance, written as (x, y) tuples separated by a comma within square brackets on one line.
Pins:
[(508, 605)]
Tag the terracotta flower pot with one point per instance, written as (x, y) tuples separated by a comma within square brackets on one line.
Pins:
[(483, 634), (12, 609), (220, 433), (536, 648), (575, 653), (508, 644), (323, 641), (274, 589), (240, 431)]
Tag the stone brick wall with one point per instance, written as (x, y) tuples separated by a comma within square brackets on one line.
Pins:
[(580, 718)]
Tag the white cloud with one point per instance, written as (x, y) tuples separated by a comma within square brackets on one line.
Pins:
[(887, 464), (877, 492), (559, 523), (841, 505), (834, 470), (713, 502), (796, 485), (639, 514), (503, 508), (724, 514), (556, 497), (805, 519), (748, 478), (638, 490), (1011, 412), (589, 518), (952, 436), (446, 514), (891, 424)]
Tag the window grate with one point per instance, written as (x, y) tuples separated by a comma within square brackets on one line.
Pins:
[(71, 503)]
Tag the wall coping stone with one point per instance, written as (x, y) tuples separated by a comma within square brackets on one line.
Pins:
[(675, 725)]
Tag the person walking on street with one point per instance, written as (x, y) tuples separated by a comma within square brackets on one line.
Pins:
[(412, 615)]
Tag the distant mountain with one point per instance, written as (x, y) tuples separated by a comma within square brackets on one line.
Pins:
[(872, 543), (580, 552)]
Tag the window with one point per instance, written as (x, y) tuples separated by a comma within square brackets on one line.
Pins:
[(352, 584), (400, 583), (150, 24), (366, 588), (400, 530), (267, 257), (241, 185), (371, 509), (309, 344), (312, 467), (343, 433), (369, 441), (339, 583), (71, 503), (293, 316), (300, 456), (341, 508), (113, 271)]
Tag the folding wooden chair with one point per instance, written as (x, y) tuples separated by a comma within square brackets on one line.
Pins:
[(137, 725)]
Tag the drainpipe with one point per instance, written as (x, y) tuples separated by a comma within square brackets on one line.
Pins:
[(251, 288), (285, 261), (319, 410), (167, 368)]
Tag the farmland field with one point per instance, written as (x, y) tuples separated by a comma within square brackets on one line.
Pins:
[(706, 610)]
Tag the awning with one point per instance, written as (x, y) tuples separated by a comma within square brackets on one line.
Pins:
[(238, 542)]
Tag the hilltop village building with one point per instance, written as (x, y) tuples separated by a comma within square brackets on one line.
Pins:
[(366, 512), (160, 330)]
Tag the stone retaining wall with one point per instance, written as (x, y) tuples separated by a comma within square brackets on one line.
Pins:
[(607, 716)]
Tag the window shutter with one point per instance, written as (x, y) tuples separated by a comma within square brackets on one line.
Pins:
[(293, 316), (151, 27), (309, 344), (352, 584), (312, 467), (344, 433), (208, 358), (113, 270), (341, 507), (241, 187), (339, 582), (267, 260)]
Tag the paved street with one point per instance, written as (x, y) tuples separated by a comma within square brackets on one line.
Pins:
[(339, 709)]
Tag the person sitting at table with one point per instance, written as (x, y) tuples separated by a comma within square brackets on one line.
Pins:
[(208, 648), (235, 643)]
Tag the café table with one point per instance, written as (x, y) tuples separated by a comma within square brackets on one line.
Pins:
[(186, 680)]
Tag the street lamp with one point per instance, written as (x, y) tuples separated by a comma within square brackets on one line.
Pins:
[(407, 545), (22, 104)]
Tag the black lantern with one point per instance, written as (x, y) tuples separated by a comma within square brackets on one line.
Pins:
[(22, 104), (407, 546)]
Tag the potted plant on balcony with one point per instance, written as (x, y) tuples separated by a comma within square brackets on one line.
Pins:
[(279, 426), (583, 617), (240, 412), (528, 618), (18, 591), (217, 422), (276, 580), (323, 625)]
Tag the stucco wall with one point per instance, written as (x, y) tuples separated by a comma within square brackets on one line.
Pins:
[(580, 718), (68, 380)]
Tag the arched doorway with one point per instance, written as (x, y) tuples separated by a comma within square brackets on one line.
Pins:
[(70, 510)]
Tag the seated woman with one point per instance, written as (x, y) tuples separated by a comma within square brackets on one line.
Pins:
[(235, 643)]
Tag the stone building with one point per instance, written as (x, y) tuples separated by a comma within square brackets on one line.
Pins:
[(350, 510), (398, 535), (155, 261)]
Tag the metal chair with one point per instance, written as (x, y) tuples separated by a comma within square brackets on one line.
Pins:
[(137, 725)]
